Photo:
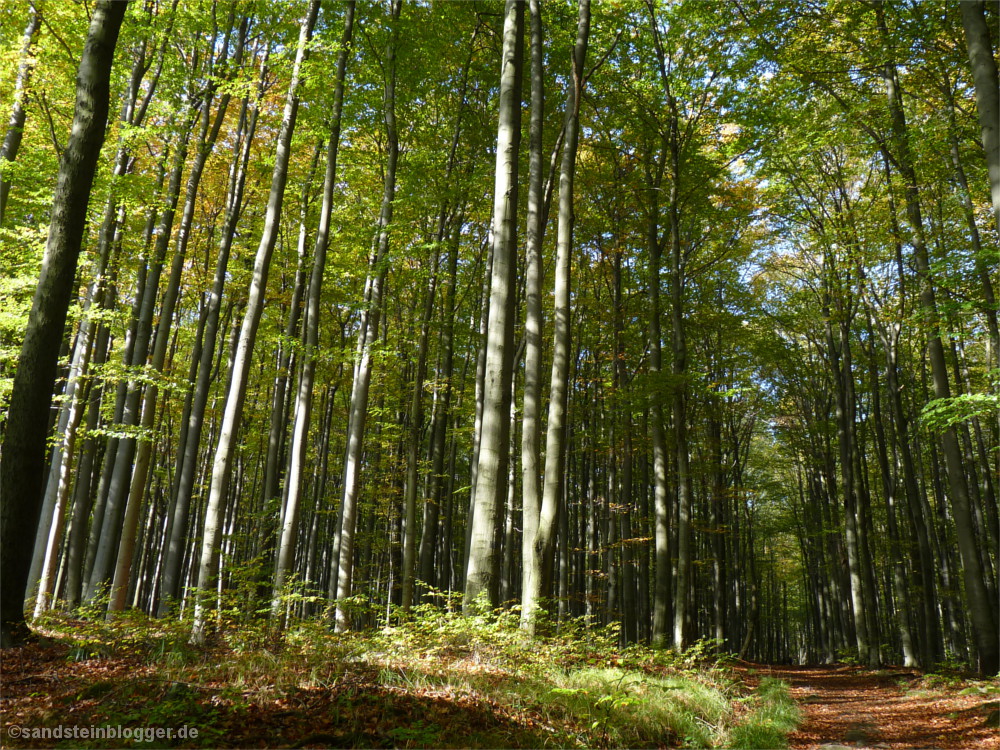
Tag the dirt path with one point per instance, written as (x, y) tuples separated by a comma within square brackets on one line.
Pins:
[(850, 707)]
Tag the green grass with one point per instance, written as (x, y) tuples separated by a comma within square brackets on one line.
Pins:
[(773, 717)]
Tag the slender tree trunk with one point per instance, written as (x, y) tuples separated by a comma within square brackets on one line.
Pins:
[(931, 635), (661, 528), (240, 370), (439, 418), (83, 492), (15, 126), (984, 74), (303, 399), (534, 324), (439, 427), (114, 520), (22, 470), (494, 446), (682, 588), (890, 486), (415, 423), (271, 497), (58, 485), (209, 134), (555, 438), (984, 620), (477, 426), (368, 335), (187, 462)]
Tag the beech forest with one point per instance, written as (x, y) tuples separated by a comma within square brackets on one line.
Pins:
[(651, 338)]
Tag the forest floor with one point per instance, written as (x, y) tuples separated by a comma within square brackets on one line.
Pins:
[(447, 681), (438, 681), (890, 709)]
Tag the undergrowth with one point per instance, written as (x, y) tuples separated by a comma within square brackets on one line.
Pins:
[(433, 678)]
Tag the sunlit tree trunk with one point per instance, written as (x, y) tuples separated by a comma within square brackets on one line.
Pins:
[(206, 143), (18, 114), (367, 336), (125, 459), (22, 469), (531, 424), (494, 446), (661, 531), (552, 486), (679, 397), (187, 461), (240, 370), (303, 398)]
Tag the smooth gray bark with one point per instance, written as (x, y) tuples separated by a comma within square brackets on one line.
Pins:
[(188, 462), (118, 493), (58, 484), (987, 81), (661, 527), (679, 396), (531, 423), (481, 577), (415, 420), (22, 469), (367, 337), (239, 375), (18, 114), (303, 398), (210, 129), (543, 548)]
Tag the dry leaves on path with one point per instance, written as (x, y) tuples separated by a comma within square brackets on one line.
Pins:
[(888, 709)]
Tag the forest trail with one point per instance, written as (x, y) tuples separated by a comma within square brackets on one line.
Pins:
[(852, 707)]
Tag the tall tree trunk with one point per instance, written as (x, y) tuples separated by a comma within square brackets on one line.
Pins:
[(206, 144), (58, 484), (890, 486), (15, 126), (415, 423), (494, 445), (679, 397), (271, 496), (303, 399), (984, 620), (931, 635), (22, 470), (555, 438), (240, 370), (477, 425), (840, 362), (441, 480), (187, 462), (661, 529), (984, 74), (534, 323), (83, 492), (118, 491), (368, 335), (446, 215)]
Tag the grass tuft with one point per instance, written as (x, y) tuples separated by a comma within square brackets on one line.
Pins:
[(773, 716)]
